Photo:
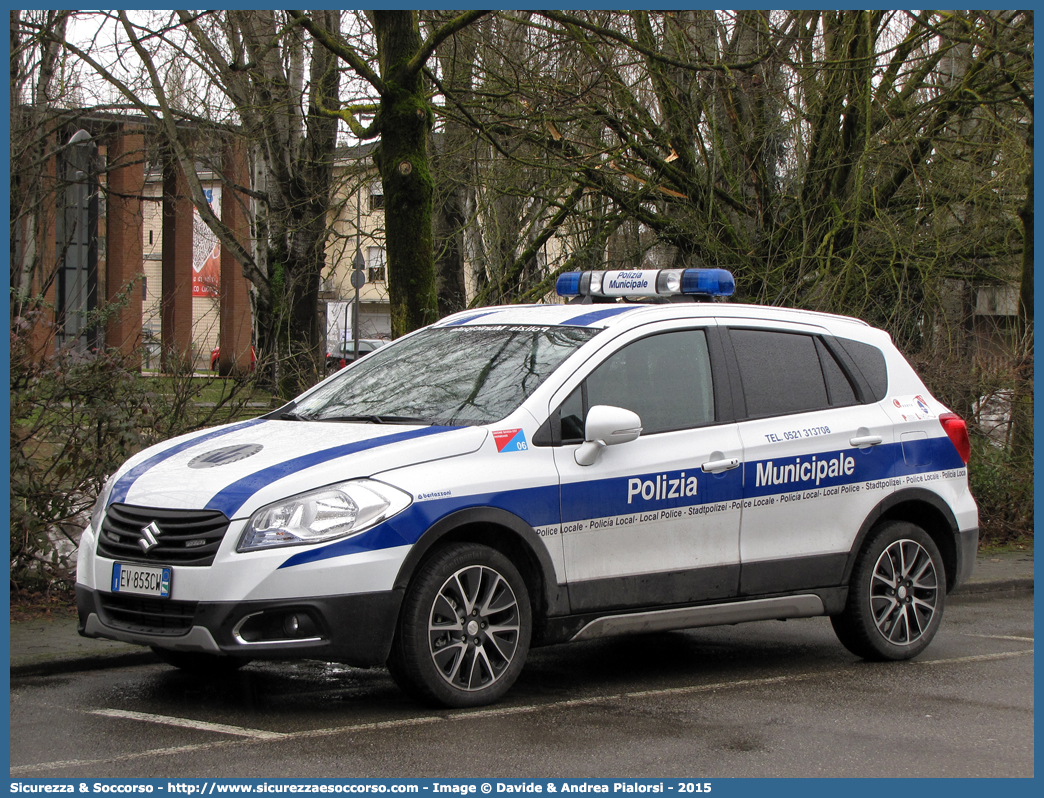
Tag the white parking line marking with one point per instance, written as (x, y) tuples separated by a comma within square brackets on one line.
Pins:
[(976, 658), (255, 735), (82, 763), (187, 723), (1000, 637)]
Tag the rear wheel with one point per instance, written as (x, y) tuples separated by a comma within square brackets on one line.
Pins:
[(464, 632), (199, 662), (896, 595)]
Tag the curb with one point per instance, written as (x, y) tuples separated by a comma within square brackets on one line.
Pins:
[(996, 586), (81, 664)]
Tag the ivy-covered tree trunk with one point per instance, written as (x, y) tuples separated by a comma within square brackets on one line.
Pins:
[(1022, 407), (402, 160)]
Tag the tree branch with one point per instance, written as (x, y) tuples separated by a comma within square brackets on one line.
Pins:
[(342, 51), (438, 37), (571, 21)]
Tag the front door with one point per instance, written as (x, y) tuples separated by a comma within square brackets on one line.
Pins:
[(654, 521)]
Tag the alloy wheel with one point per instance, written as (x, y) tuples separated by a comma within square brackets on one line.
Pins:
[(904, 592), (473, 628)]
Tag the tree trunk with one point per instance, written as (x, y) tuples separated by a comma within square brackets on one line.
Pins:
[(402, 160), (453, 166), (1022, 406)]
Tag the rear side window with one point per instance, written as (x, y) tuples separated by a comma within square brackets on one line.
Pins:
[(838, 386), (870, 362), (780, 372)]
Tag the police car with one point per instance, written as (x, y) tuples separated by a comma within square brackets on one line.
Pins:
[(519, 476)]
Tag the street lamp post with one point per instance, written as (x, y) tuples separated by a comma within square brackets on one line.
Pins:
[(358, 281)]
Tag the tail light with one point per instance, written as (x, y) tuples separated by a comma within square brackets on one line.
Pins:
[(957, 431)]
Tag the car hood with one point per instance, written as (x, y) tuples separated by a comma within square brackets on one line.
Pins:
[(240, 467)]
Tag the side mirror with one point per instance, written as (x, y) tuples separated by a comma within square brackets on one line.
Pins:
[(606, 426)]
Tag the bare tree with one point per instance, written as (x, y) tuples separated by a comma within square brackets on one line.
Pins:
[(272, 84), (401, 118)]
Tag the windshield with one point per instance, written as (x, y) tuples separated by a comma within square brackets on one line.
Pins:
[(445, 375)]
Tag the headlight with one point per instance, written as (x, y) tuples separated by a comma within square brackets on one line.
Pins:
[(335, 511)]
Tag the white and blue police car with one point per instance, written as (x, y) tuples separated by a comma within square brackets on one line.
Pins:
[(518, 476)]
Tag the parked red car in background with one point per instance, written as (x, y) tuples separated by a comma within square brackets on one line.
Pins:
[(215, 355)]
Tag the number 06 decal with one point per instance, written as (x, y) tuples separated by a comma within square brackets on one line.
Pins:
[(510, 440)]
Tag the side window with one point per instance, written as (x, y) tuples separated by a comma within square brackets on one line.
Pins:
[(573, 417), (780, 372), (838, 386), (665, 379), (870, 361)]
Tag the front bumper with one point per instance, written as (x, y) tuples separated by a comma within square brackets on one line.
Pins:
[(355, 629)]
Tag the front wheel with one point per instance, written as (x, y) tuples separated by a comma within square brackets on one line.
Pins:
[(465, 627), (896, 595)]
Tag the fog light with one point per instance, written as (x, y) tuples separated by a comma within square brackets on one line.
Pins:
[(278, 625)]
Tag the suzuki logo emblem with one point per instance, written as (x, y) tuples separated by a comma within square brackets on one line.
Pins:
[(148, 540)]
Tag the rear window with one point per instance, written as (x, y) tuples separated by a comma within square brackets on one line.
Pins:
[(838, 387)]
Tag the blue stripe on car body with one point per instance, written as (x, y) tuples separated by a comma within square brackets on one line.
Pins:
[(472, 317), (231, 498), (589, 318), (884, 461), (536, 506), (542, 506), (123, 484)]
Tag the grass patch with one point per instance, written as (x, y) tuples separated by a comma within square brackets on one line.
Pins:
[(208, 390)]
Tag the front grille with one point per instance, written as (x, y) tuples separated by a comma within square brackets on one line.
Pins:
[(147, 615), (185, 537)]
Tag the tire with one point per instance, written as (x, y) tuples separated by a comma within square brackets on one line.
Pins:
[(896, 595), (199, 662), (464, 629)]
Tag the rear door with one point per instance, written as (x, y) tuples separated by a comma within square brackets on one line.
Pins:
[(646, 524), (818, 457)]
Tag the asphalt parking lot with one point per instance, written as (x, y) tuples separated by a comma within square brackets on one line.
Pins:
[(767, 699)]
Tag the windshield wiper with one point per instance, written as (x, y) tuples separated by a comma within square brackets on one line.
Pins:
[(286, 413), (294, 417), (373, 418)]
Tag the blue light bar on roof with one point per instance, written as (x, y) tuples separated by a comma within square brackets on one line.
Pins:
[(647, 283)]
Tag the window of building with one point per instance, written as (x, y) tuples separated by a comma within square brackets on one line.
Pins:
[(375, 271), (376, 198)]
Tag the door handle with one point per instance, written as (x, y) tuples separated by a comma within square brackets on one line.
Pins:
[(865, 440), (715, 466)]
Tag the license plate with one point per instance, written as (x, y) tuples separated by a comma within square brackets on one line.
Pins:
[(142, 580)]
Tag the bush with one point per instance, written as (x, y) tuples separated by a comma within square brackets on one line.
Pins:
[(75, 418), (1003, 489), (986, 392)]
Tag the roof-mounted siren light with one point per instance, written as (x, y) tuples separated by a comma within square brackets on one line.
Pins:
[(647, 283)]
